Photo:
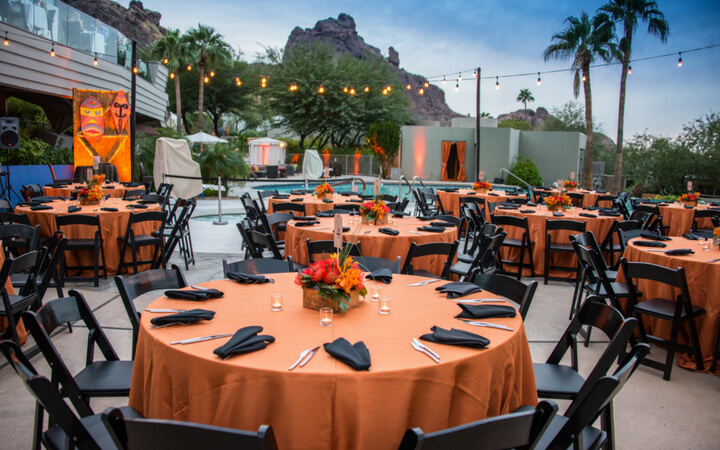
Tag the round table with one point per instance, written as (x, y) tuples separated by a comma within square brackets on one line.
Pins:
[(589, 197), (599, 225), (114, 190), (327, 404), (314, 204), (451, 200), (112, 225), (373, 242), (703, 278), (680, 219)]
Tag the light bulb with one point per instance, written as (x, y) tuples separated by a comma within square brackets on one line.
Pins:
[(584, 78), (385, 91), (352, 90), (497, 84), (52, 50), (459, 77), (95, 61), (367, 89), (6, 39), (345, 89), (212, 73), (321, 89), (408, 87), (389, 88), (238, 81), (539, 80), (135, 69), (165, 61), (426, 84), (457, 87), (629, 70), (680, 59), (172, 75), (189, 67), (444, 80), (263, 82), (421, 91), (206, 79)]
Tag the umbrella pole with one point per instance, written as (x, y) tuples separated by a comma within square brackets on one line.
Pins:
[(220, 220)]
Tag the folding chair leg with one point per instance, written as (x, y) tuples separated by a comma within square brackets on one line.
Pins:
[(699, 363), (38, 428), (670, 357), (606, 421)]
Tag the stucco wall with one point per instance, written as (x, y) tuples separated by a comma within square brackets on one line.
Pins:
[(422, 150), (556, 153)]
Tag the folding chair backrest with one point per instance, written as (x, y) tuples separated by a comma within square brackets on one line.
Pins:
[(433, 248), (257, 266), (290, 206), (7, 217), (348, 206), (372, 263), (328, 247), (30, 234), (265, 241), (165, 189), (514, 290)]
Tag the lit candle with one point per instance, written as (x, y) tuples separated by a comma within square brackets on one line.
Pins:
[(376, 292), (276, 302), (384, 305), (326, 317)]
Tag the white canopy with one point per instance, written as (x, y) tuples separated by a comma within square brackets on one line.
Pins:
[(267, 152), (172, 156), (312, 164), (202, 137)]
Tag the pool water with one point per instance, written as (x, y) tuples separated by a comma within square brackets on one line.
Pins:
[(285, 188)]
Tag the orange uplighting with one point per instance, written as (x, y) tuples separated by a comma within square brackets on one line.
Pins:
[(326, 157), (356, 168), (420, 144), (295, 158)]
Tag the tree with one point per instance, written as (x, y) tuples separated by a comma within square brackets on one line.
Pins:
[(224, 96), (208, 48), (525, 96), (583, 42), (517, 124), (628, 13), (384, 138), (702, 138), (174, 54), (659, 164)]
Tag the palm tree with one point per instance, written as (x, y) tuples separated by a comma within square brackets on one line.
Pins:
[(173, 53), (525, 96), (628, 14), (208, 48), (583, 42)]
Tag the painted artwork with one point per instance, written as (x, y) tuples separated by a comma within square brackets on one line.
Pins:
[(100, 128)]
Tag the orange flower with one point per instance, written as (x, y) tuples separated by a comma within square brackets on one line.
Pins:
[(553, 200), (482, 185)]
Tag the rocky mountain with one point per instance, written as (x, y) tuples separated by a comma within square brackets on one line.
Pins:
[(342, 35), (135, 22), (534, 118)]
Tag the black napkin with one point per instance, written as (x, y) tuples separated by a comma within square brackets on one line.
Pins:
[(649, 243), (147, 202), (588, 215), (303, 218), (296, 199), (40, 207), (558, 214), (605, 212), (654, 236), (470, 193), (398, 214), (368, 197), (325, 214), (688, 207), (442, 224), (680, 252), (448, 189), (56, 186), (527, 211), (133, 184), (346, 229), (594, 208), (355, 355), (354, 200), (508, 207), (600, 191), (494, 195), (530, 204), (714, 203), (107, 208), (327, 200), (73, 208), (132, 206), (307, 223), (347, 193), (455, 337), (109, 186), (384, 275), (389, 231), (245, 340), (194, 315), (26, 204), (281, 196), (425, 218), (432, 229), (690, 236), (485, 311), (458, 289), (193, 294), (300, 191), (247, 278)]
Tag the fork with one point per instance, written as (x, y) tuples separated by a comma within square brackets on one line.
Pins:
[(428, 349), (423, 350)]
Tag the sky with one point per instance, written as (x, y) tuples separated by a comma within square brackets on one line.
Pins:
[(502, 37)]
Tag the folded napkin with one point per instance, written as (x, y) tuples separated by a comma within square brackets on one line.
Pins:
[(527, 211), (307, 223), (530, 204), (247, 278), (508, 207), (325, 214), (448, 189), (73, 208), (690, 236), (600, 191), (605, 212), (57, 186), (347, 193), (346, 229), (458, 289), (193, 294), (355, 355), (680, 252), (714, 203), (470, 193), (109, 186), (664, 204), (40, 207), (398, 214), (26, 204), (493, 194), (389, 231), (425, 218), (327, 200), (558, 214), (245, 340), (354, 200), (688, 207), (510, 204), (133, 184), (713, 209), (368, 197), (194, 315), (384, 275), (147, 202), (588, 215), (432, 229), (654, 236), (649, 243), (107, 208), (133, 206), (296, 199), (281, 196), (454, 336), (303, 218), (485, 311), (442, 224), (300, 191)]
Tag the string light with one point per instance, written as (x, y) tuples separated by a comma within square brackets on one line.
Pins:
[(189, 67), (52, 50), (238, 81), (457, 86), (263, 82), (421, 91), (321, 89), (539, 80), (95, 61), (459, 77), (212, 73), (408, 87), (135, 69), (385, 91), (367, 88), (426, 84), (165, 61), (584, 78), (172, 75), (293, 86), (6, 39), (679, 59), (475, 73), (497, 84), (389, 88), (629, 70), (345, 89), (206, 79), (352, 90), (444, 80)]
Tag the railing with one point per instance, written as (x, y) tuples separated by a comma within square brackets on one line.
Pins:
[(523, 181), (352, 181), (402, 178)]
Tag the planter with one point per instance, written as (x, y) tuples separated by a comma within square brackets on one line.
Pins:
[(555, 208), (693, 204), (571, 189), (481, 191), (89, 202), (312, 300), (382, 221), (326, 196)]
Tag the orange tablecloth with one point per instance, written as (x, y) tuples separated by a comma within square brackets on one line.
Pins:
[(326, 404), (704, 282), (22, 333), (536, 223), (117, 190), (112, 226), (312, 204), (680, 219), (589, 197), (373, 242), (451, 200)]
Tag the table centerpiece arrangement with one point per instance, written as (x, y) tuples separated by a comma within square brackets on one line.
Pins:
[(324, 191), (716, 236), (557, 202), (335, 282), (375, 211), (92, 193), (482, 187), (690, 199), (570, 185)]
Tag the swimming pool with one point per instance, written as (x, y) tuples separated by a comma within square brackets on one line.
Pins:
[(389, 189)]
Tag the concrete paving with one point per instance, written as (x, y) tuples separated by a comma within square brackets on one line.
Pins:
[(649, 413)]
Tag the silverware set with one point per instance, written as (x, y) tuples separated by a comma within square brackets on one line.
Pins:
[(475, 301), (422, 348), (487, 324), (201, 339), (305, 357), (424, 282)]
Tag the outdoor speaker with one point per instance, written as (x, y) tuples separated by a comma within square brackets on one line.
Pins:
[(9, 132)]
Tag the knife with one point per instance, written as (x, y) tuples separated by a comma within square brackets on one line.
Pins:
[(165, 310), (487, 324), (309, 356), (200, 339), (480, 300)]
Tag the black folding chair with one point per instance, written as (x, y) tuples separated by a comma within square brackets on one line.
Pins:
[(18, 238), (328, 247), (262, 195), (553, 244), (293, 207), (13, 305), (523, 245), (447, 249), (257, 266), (74, 224), (514, 290), (134, 240), (133, 194)]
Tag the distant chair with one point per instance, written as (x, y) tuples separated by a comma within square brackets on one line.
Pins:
[(448, 249), (56, 180)]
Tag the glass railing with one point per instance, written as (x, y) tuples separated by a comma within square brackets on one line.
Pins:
[(61, 23)]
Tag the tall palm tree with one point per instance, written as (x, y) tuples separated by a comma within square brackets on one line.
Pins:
[(628, 14), (208, 48), (173, 53), (583, 41), (525, 96)]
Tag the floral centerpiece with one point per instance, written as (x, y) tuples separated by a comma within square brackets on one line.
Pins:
[(324, 191), (716, 238), (482, 187), (570, 184), (557, 202), (92, 192), (336, 281), (375, 211), (690, 199)]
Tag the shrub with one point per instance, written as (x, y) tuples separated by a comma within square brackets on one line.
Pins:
[(517, 124), (38, 152), (527, 171)]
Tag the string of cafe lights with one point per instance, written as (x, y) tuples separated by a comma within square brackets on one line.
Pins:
[(349, 85)]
